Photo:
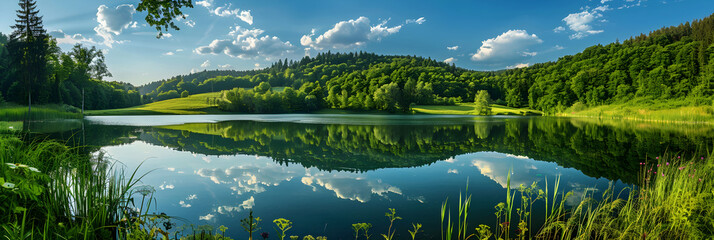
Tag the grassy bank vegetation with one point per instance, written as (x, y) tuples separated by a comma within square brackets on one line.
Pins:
[(50, 191), (194, 104), (14, 112), (471, 109), (647, 109)]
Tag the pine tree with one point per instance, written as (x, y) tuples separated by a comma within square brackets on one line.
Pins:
[(28, 46)]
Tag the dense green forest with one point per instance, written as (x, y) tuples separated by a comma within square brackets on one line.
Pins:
[(33, 69), (63, 77), (673, 63), (667, 64)]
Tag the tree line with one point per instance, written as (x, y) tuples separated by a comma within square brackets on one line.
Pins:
[(34, 70), (672, 63)]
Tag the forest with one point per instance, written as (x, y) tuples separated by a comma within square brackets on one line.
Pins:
[(672, 63), (61, 77)]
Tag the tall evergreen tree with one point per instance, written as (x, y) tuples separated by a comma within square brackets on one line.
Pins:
[(28, 47)]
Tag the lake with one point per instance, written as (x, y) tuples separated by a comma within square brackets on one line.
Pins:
[(326, 172)]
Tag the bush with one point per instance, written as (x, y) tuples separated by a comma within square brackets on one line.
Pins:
[(577, 107)]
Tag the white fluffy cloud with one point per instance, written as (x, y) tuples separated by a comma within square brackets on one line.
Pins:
[(347, 34), (247, 44), (224, 66), (581, 23), (453, 48), (207, 217), (226, 11), (112, 21), (206, 64), (520, 65), (63, 38), (450, 60), (507, 48), (417, 21), (349, 186)]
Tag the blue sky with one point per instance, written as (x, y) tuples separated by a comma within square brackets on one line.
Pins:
[(223, 34)]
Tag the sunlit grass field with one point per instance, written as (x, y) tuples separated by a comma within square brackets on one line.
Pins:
[(14, 112), (648, 110), (193, 104), (470, 109)]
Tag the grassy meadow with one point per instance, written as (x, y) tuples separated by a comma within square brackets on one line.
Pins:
[(193, 104), (14, 112), (470, 109), (648, 110)]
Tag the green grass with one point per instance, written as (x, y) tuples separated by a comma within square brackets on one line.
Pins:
[(51, 191), (470, 109), (14, 112), (193, 104), (10, 126), (648, 110)]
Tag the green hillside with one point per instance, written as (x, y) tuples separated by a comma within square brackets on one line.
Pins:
[(193, 104), (670, 68)]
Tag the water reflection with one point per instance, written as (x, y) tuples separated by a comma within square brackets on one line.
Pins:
[(326, 173)]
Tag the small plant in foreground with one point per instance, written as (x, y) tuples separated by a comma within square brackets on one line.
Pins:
[(283, 226), (415, 231), (250, 224), (392, 216)]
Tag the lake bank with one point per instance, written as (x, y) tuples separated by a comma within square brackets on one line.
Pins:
[(206, 104), (650, 113)]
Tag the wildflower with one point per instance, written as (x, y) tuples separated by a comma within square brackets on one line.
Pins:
[(680, 168), (8, 185), (678, 157), (33, 169), (657, 158), (702, 158), (667, 163), (264, 235), (658, 165), (145, 190), (700, 180), (662, 174), (11, 165)]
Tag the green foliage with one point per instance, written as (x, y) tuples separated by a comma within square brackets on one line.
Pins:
[(184, 94), (362, 227), (13, 112), (482, 103), (283, 226), (51, 190), (66, 78), (415, 230), (161, 14), (250, 224), (392, 216)]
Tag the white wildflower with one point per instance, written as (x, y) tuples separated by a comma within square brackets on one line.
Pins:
[(8, 185)]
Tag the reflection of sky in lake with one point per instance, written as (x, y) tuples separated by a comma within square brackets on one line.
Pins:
[(218, 190)]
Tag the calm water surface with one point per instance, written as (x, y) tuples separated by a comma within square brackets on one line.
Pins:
[(325, 172)]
